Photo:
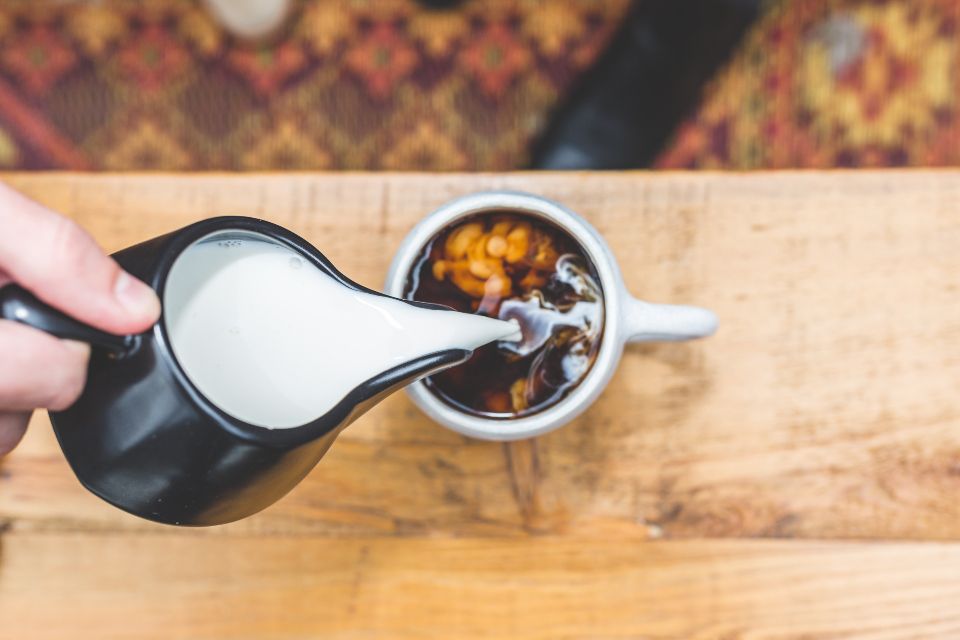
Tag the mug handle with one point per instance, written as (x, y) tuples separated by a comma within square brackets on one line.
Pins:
[(19, 305), (647, 322)]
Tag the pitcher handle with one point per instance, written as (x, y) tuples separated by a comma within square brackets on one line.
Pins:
[(647, 322), (19, 305)]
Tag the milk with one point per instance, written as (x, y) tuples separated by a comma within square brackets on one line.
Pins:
[(276, 342)]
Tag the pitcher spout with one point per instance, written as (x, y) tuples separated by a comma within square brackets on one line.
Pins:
[(450, 339), (366, 395)]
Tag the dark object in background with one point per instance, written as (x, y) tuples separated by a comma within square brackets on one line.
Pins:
[(651, 76), (441, 4)]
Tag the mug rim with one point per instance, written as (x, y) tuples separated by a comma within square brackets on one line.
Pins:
[(614, 299)]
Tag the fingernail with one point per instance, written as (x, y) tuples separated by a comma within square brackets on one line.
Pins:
[(136, 297)]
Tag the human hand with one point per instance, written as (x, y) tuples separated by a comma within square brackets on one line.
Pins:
[(61, 264)]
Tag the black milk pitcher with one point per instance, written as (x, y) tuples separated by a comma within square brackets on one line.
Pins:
[(145, 439)]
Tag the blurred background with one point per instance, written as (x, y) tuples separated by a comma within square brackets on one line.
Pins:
[(478, 85)]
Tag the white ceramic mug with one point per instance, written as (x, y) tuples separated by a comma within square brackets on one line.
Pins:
[(626, 319)]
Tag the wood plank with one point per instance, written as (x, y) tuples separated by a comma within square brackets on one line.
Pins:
[(134, 586), (826, 406)]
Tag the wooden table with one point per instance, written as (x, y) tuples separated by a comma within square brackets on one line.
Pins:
[(795, 476)]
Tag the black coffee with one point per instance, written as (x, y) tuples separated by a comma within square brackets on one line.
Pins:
[(514, 266)]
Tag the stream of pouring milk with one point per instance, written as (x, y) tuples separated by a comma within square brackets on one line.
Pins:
[(276, 342)]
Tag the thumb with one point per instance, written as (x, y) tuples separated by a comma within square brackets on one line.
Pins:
[(62, 265), (12, 428)]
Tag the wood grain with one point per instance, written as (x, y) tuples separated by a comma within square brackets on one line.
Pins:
[(176, 586), (832, 380), (825, 408)]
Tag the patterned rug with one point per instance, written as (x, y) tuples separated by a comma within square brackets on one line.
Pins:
[(855, 83), (349, 84), (387, 84)]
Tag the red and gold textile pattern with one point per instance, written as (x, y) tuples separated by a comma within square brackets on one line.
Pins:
[(347, 84), (846, 83)]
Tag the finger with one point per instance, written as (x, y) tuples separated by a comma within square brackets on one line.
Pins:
[(38, 370), (63, 266), (12, 428)]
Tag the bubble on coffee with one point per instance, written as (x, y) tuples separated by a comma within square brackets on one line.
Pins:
[(514, 266)]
